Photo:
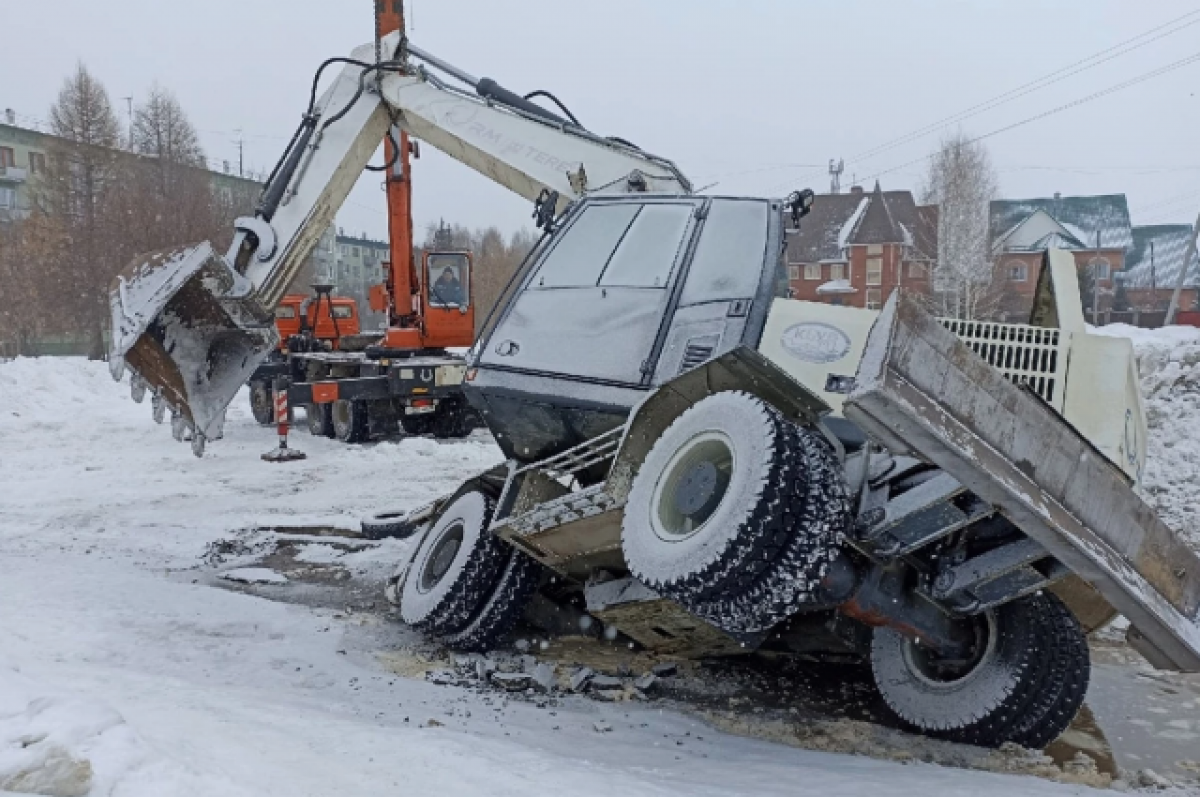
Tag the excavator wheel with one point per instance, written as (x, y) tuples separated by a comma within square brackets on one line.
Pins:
[(320, 421), (452, 420), (456, 568), (261, 405), (350, 423), (1023, 681)]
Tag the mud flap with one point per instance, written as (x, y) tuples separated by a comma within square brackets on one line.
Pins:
[(920, 389), (179, 324)]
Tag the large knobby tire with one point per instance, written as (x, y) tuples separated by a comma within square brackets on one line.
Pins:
[(389, 524), (456, 566), (1066, 666), (988, 699), (319, 419), (703, 509), (349, 419), (502, 609), (735, 513), (262, 404), (817, 509), (452, 420)]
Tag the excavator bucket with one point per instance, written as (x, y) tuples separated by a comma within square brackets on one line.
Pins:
[(180, 324), (922, 390)]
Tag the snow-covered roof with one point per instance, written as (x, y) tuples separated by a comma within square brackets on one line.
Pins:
[(1169, 243), (1081, 217), (838, 221), (836, 286)]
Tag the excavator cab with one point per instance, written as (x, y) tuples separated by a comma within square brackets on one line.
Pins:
[(449, 304)]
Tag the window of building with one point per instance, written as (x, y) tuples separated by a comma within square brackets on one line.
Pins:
[(8, 197), (1017, 271), (837, 271), (37, 162), (874, 270), (812, 271), (794, 272), (875, 249), (917, 271), (1101, 268), (874, 296), (6, 157), (354, 250)]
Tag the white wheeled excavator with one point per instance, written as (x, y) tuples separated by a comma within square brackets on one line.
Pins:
[(708, 465)]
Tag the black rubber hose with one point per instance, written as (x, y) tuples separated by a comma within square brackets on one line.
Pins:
[(395, 155), (556, 101)]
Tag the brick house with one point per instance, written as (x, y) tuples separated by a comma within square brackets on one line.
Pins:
[(1096, 229), (1152, 267), (854, 249)]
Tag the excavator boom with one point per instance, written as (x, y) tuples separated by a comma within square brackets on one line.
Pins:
[(193, 324)]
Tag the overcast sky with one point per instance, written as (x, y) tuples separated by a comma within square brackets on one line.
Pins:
[(756, 96)]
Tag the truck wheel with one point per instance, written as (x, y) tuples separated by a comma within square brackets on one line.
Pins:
[(984, 699), (1066, 663), (455, 568), (393, 523), (718, 500), (450, 422), (349, 420), (502, 608), (261, 404), (415, 425), (320, 423), (818, 511)]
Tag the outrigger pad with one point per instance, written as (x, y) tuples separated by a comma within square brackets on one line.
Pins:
[(176, 324)]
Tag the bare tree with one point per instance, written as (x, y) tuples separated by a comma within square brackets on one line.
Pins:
[(962, 182), (496, 258), (80, 177)]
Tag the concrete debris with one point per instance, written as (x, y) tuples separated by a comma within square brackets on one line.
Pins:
[(607, 682), (513, 681), (646, 682), (665, 669), (601, 727), (581, 678)]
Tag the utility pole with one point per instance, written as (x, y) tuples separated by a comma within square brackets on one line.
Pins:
[(241, 145), (1183, 270), (1153, 280)]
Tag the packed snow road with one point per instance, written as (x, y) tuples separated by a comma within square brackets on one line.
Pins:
[(126, 669)]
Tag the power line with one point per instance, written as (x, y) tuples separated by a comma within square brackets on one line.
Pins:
[(1074, 68), (1102, 57), (1073, 104)]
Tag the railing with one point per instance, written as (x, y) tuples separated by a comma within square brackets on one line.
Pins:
[(1035, 356)]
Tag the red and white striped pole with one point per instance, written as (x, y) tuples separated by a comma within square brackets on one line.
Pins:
[(283, 453)]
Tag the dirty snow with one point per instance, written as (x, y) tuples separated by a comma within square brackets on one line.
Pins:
[(254, 575), (1169, 366), (128, 672)]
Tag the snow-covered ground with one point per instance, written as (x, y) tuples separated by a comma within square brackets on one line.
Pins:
[(1169, 366), (125, 670)]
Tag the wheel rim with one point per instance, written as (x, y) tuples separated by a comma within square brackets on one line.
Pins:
[(441, 557), (692, 486), (940, 673)]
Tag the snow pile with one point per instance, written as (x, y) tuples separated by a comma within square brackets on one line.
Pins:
[(1169, 366), (64, 746)]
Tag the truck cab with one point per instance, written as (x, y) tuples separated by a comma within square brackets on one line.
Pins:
[(628, 293)]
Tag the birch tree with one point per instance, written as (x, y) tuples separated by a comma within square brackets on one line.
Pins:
[(962, 182)]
